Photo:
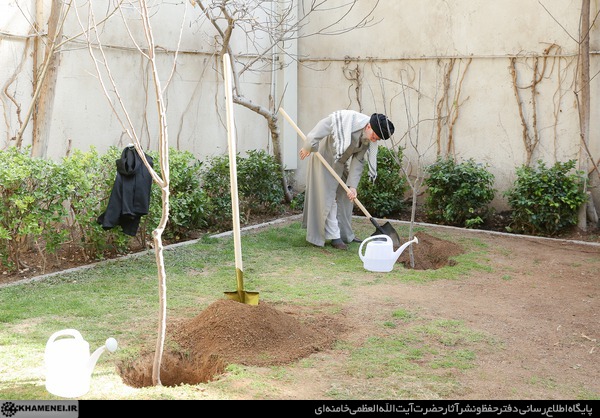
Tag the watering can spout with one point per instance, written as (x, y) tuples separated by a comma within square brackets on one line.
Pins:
[(110, 345), (399, 251)]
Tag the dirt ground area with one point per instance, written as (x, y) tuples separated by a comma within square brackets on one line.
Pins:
[(540, 302)]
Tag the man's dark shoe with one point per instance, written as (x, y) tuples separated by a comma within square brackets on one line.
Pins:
[(357, 240), (339, 244)]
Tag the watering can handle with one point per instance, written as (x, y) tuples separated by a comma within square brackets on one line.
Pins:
[(371, 238), (69, 331)]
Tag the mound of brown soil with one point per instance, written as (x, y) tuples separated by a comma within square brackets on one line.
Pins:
[(257, 335), (230, 332), (430, 253)]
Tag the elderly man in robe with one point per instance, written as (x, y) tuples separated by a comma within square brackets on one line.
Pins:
[(347, 140)]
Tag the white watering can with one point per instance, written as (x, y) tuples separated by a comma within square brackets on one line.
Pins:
[(379, 254), (69, 365)]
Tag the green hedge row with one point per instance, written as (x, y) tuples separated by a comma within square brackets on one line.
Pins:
[(543, 201), (46, 205)]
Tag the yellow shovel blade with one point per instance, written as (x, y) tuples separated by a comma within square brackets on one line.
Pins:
[(249, 298)]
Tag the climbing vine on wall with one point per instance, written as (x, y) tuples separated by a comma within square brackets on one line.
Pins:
[(448, 106), (354, 75), (542, 68)]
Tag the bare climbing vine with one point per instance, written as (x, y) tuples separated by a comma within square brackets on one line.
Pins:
[(541, 69), (6, 90), (354, 75), (447, 110), (560, 91)]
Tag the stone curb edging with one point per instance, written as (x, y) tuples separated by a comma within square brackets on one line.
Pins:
[(505, 234), (140, 253)]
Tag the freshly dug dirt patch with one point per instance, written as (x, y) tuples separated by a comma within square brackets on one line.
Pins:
[(430, 253), (229, 332), (538, 304)]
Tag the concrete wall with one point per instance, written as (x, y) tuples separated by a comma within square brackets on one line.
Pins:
[(409, 49), (398, 64), (82, 116)]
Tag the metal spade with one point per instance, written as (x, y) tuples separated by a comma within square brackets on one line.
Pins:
[(240, 295)]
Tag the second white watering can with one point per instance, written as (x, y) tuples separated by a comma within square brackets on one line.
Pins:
[(69, 365), (379, 255)]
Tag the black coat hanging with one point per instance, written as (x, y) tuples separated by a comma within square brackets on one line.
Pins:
[(130, 196)]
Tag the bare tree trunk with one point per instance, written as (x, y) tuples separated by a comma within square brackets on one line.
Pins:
[(38, 53), (415, 187), (57, 20), (275, 137), (162, 278), (412, 141), (47, 80), (584, 99)]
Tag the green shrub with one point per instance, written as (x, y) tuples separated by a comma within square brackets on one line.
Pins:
[(385, 196), (259, 188), (89, 178), (259, 183), (217, 189), (186, 197), (297, 202), (32, 195), (545, 201), (49, 205), (458, 194)]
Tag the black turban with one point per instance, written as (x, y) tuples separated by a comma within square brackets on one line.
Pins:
[(381, 125)]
